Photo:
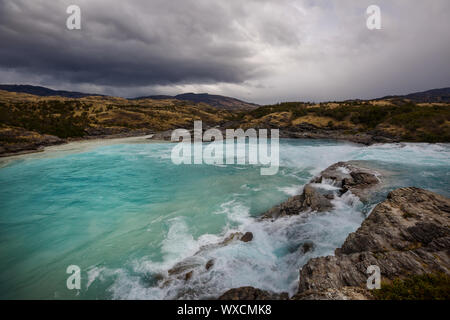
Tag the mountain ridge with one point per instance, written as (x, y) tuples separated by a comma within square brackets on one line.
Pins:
[(219, 101), (432, 95), (44, 91)]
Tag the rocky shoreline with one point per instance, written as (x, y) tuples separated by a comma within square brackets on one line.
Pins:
[(23, 142), (407, 234), (309, 131), (26, 142)]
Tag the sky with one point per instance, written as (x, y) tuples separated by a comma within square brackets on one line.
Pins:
[(259, 51)]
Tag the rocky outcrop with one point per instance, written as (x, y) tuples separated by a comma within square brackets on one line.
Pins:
[(99, 132), (339, 178), (188, 267), (332, 182), (407, 234), (350, 176), (162, 136), (309, 131), (14, 141), (251, 293)]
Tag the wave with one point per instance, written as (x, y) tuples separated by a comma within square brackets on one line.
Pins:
[(271, 261)]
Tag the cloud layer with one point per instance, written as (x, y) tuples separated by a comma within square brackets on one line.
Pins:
[(258, 50)]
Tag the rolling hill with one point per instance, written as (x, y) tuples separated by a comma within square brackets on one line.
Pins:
[(217, 101), (30, 121), (221, 102), (434, 95), (43, 91)]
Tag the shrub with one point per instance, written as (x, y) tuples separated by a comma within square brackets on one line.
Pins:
[(417, 287)]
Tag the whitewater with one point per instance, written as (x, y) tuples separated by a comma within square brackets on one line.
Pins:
[(125, 214)]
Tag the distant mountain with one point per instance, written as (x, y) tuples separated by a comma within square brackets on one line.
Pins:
[(217, 101), (434, 95), (43, 91), (222, 102)]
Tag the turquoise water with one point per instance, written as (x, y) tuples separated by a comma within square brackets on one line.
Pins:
[(124, 213)]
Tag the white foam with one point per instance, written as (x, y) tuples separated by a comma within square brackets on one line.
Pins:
[(291, 190), (271, 261), (266, 262), (343, 170)]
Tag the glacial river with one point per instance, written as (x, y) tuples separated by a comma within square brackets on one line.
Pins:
[(125, 214)]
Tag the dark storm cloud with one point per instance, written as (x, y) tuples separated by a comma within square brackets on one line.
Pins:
[(139, 43), (259, 50)]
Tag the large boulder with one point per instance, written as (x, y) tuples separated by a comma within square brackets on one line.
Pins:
[(407, 234), (342, 177)]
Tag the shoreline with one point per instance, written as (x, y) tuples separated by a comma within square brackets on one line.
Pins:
[(76, 145), (353, 179), (363, 139)]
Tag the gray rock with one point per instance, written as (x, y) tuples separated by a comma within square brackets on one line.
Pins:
[(248, 236), (188, 275), (185, 265), (345, 176), (307, 247), (406, 234), (209, 264)]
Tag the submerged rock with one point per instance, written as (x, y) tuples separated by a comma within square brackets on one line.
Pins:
[(184, 270), (188, 275), (209, 264), (307, 247), (185, 265), (405, 235), (248, 236), (232, 237)]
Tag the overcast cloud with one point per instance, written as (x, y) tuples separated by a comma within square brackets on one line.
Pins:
[(257, 50)]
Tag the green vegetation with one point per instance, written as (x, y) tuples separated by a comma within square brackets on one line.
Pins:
[(413, 122), (51, 117), (68, 118), (417, 287), (298, 109)]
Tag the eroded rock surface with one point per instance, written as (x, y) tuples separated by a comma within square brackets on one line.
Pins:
[(339, 178), (188, 267), (407, 234)]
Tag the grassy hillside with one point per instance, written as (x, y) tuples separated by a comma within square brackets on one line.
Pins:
[(409, 121), (27, 120), (66, 117), (30, 121)]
